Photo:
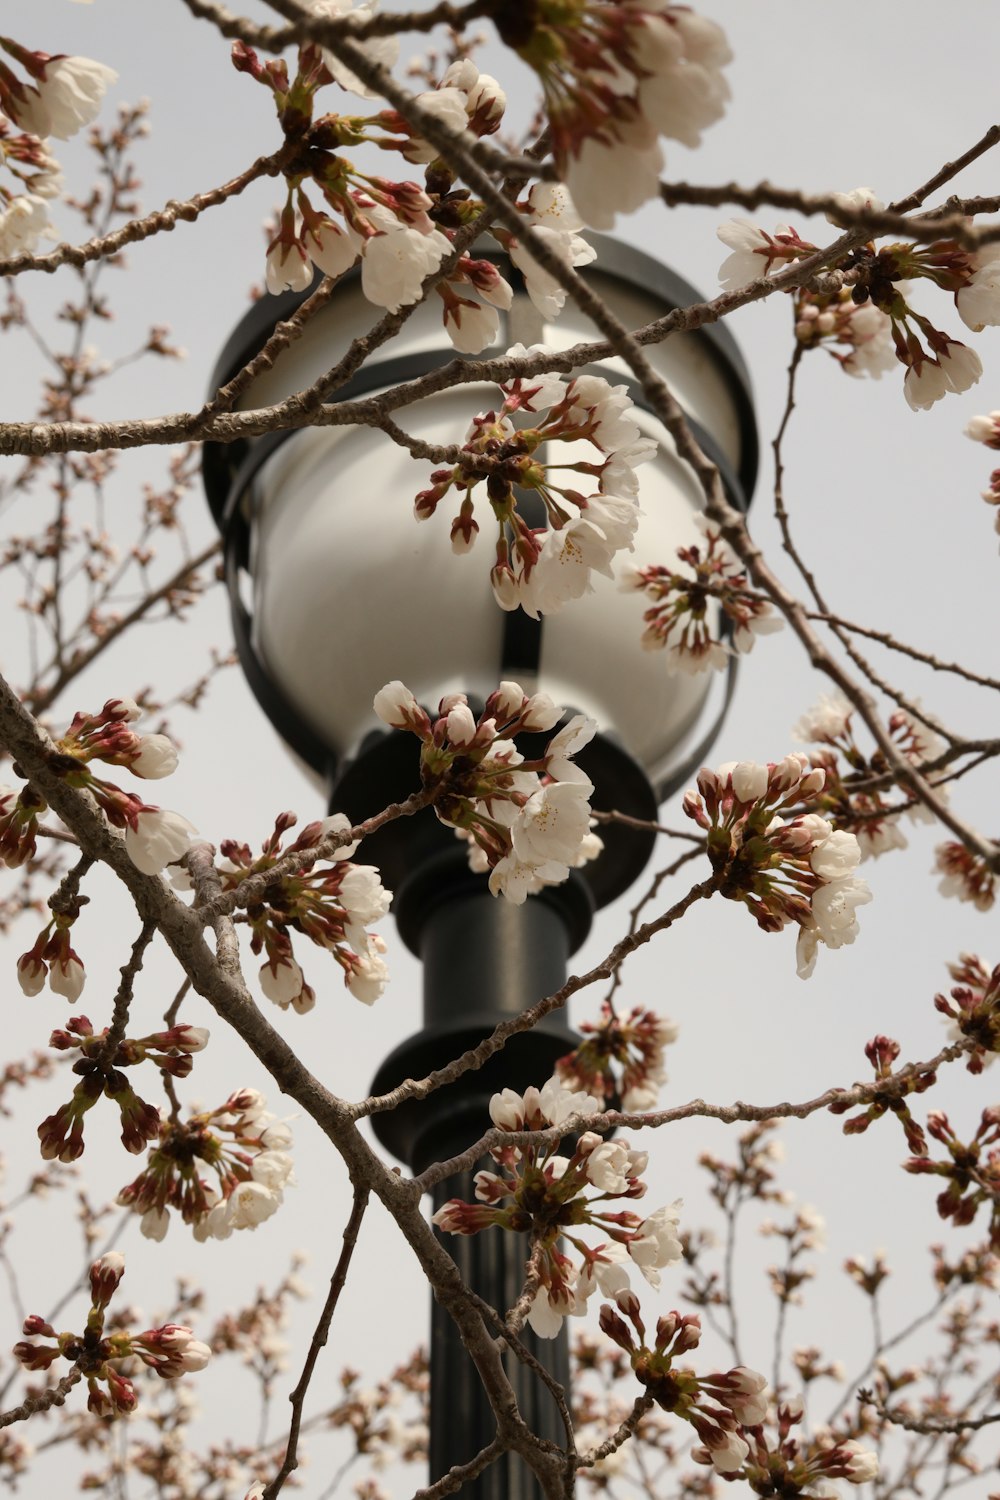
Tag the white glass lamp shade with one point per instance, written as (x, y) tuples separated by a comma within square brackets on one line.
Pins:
[(348, 591)]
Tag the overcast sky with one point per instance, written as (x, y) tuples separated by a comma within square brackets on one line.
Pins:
[(885, 504)]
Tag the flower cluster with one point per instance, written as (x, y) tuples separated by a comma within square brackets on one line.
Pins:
[(718, 1406), (965, 875), (882, 1052), (240, 1145), (868, 814), (527, 821), (690, 606), (537, 1192), (616, 77), (857, 335), (154, 836), (100, 1072), (986, 430), (170, 1350), (400, 232), (934, 362), (972, 1170), (795, 1466), (793, 869), (634, 1044), (545, 557), (57, 96), (331, 905), (974, 1008), (796, 870)]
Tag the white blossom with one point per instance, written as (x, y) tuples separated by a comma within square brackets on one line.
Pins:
[(157, 757), (158, 838), (250, 1203), (657, 1242), (396, 261), (825, 722), (154, 1223), (23, 221), (368, 978), (979, 303), (331, 246), (67, 978), (383, 50), (287, 266), (70, 93)]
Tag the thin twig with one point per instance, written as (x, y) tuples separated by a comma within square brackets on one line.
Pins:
[(927, 1425), (162, 220), (123, 997), (475, 1057), (318, 1342)]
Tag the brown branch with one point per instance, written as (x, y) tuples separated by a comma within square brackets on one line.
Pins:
[(285, 334), (254, 886), (160, 221), (475, 1057), (325, 30), (949, 170), (889, 641), (507, 1337), (641, 823), (729, 1114), (31, 1405), (926, 1425), (123, 998), (459, 1474), (518, 1314), (318, 1342), (950, 221), (627, 1429)]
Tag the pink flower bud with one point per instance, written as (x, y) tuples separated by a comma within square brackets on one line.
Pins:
[(105, 1275)]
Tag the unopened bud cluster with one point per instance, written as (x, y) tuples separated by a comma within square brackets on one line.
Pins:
[(527, 821), (784, 869), (692, 610), (331, 904), (718, 1406), (971, 1170), (61, 1135), (974, 1008), (882, 1052), (221, 1170), (620, 1059), (790, 1464), (545, 557), (170, 1350), (553, 1198)]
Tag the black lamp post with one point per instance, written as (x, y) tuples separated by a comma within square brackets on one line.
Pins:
[(335, 590)]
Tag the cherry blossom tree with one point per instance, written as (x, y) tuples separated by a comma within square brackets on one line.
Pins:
[(400, 168)]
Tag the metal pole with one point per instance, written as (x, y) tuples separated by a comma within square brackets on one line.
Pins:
[(484, 961)]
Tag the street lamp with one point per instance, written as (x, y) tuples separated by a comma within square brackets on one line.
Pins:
[(335, 590)]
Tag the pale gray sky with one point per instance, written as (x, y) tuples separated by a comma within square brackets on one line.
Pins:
[(885, 504)]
